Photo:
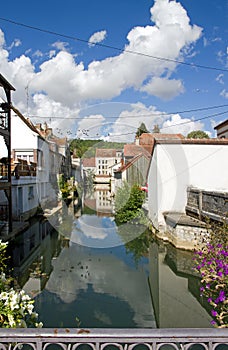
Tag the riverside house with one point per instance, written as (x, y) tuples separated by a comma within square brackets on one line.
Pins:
[(177, 165)]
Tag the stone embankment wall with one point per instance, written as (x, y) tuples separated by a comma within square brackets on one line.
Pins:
[(207, 204), (187, 230)]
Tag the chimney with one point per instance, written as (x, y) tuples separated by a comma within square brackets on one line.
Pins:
[(39, 126)]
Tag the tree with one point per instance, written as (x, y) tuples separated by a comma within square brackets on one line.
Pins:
[(198, 134), (141, 129)]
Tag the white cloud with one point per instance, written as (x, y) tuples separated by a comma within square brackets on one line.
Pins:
[(38, 53), (135, 293), (178, 125), (224, 93), (123, 129), (219, 78), (91, 126), (52, 53), (57, 115), (216, 39), (107, 78), (164, 88), (205, 42), (60, 45), (15, 43), (62, 82), (97, 37), (125, 126)]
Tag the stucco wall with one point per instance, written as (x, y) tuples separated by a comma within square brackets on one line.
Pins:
[(21, 135), (174, 167)]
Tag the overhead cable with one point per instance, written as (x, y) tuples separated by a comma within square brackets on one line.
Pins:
[(192, 65), (148, 115)]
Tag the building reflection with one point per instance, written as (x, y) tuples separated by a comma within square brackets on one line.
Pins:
[(31, 254), (46, 260), (100, 201), (175, 289)]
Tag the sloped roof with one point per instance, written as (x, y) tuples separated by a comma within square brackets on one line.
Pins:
[(105, 153), (215, 141), (131, 162), (132, 150), (224, 123), (89, 162), (5, 84), (147, 140), (59, 141)]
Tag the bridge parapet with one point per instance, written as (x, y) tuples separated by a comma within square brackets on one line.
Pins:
[(122, 339)]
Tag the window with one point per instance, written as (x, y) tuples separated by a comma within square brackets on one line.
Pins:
[(30, 192), (40, 159)]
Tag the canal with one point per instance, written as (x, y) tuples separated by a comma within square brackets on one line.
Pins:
[(87, 272)]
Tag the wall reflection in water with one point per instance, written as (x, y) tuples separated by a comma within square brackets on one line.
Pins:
[(141, 283), (175, 289)]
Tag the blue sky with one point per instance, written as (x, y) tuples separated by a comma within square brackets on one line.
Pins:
[(95, 91)]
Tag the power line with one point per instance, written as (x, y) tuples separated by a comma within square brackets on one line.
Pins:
[(141, 115), (196, 120), (177, 124), (193, 65)]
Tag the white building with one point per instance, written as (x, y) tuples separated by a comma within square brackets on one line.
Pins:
[(107, 161), (222, 130), (179, 164), (28, 192)]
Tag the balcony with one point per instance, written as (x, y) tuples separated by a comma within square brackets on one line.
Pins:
[(122, 339)]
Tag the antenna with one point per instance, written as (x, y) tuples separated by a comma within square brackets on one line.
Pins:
[(27, 97)]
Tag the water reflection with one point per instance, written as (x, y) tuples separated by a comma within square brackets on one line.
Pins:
[(94, 271), (100, 287), (94, 231), (171, 289), (31, 255)]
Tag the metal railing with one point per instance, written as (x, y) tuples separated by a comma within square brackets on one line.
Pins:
[(122, 339)]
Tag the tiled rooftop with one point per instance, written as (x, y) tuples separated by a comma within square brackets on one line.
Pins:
[(105, 153)]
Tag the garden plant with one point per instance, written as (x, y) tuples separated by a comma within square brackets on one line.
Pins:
[(212, 263), (16, 307)]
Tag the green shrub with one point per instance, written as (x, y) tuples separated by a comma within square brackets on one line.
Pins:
[(128, 203)]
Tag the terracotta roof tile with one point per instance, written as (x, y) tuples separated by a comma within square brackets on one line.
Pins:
[(215, 141), (146, 140), (105, 153), (132, 150), (89, 162)]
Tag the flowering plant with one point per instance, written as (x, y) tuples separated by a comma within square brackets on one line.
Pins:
[(212, 264), (16, 307)]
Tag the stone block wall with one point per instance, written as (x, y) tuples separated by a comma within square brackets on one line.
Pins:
[(207, 204), (185, 237)]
